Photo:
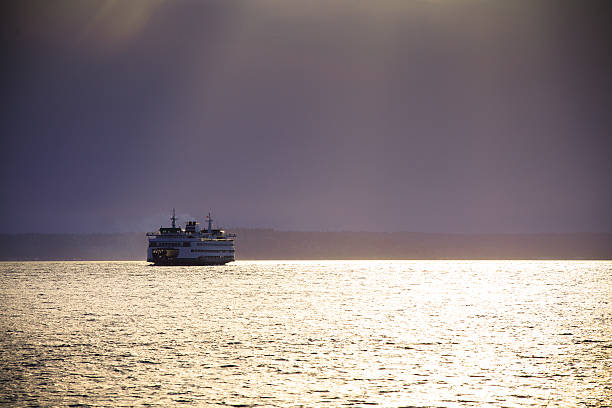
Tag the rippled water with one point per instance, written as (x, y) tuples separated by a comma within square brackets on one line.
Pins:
[(501, 333)]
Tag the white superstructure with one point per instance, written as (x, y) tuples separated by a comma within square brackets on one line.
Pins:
[(190, 246)]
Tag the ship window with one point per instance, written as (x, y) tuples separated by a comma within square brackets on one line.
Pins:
[(186, 244)]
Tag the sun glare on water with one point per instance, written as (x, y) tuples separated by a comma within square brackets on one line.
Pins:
[(313, 333)]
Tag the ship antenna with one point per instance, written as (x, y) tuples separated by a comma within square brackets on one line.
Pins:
[(173, 218)]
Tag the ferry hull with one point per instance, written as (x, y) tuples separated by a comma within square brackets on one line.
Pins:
[(190, 262), (176, 256)]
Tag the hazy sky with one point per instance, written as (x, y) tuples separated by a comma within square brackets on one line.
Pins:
[(440, 115)]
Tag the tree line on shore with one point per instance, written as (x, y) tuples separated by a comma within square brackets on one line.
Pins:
[(271, 244)]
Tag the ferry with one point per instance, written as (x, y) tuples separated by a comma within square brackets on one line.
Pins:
[(190, 245)]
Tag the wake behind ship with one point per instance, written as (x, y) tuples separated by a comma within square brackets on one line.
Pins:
[(190, 246)]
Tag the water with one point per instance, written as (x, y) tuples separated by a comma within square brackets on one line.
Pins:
[(434, 333)]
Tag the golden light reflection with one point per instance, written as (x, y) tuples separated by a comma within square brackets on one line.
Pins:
[(315, 333)]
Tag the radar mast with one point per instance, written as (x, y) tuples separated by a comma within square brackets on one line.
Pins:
[(173, 219)]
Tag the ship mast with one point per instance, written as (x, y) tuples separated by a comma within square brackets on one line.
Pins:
[(173, 219), (209, 223)]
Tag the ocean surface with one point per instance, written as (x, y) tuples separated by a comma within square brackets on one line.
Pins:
[(311, 333)]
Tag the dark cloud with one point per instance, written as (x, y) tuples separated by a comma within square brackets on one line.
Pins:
[(427, 116)]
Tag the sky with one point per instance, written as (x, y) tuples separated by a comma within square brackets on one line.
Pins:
[(459, 116)]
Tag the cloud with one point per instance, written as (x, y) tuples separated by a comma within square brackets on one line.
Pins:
[(115, 22), (96, 25), (467, 115)]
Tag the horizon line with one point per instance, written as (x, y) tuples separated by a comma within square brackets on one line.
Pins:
[(322, 232)]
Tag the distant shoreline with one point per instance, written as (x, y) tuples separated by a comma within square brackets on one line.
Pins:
[(309, 260), (267, 244)]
